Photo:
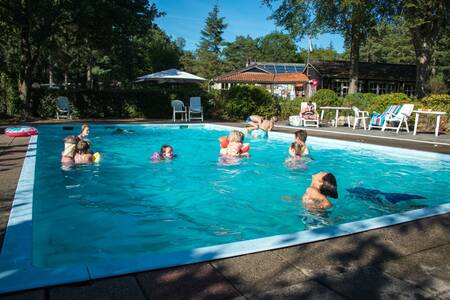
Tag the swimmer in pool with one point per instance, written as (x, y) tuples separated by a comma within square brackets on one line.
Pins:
[(323, 184), (165, 153), (70, 144), (298, 148), (83, 154), (235, 145)]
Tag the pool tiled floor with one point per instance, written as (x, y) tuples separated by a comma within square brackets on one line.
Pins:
[(406, 261)]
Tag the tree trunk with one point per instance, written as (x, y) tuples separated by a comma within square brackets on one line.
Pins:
[(89, 77), (50, 75), (66, 80), (26, 72), (354, 63), (423, 49)]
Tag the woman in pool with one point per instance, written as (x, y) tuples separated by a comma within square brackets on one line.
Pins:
[(67, 156), (165, 153), (83, 155), (235, 145), (323, 184)]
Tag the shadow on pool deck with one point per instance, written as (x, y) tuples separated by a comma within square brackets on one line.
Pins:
[(406, 261)]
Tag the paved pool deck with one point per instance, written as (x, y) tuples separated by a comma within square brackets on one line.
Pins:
[(406, 261)]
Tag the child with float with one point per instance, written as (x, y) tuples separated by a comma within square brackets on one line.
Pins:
[(233, 145), (165, 153)]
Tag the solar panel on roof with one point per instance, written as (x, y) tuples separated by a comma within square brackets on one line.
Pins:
[(291, 69), (269, 68), (280, 69)]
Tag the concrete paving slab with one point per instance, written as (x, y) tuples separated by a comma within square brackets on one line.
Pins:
[(12, 153), (405, 238), (259, 272), (200, 281), (306, 290), (28, 295), (429, 269), (125, 287), (335, 256), (370, 283), (445, 296)]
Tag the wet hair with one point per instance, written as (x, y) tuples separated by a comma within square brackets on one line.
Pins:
[(236, 136), (301, 134), (82, 147), (297, 148), (163, 150), (83, 127), (329, 186), (71, 139)]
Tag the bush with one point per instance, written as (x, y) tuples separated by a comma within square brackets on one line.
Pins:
[(381, 102), (148, 102), (10, 103), (361, 100), (245, 100), (438, 102), (437, 84), (290, 107), (325, 97)]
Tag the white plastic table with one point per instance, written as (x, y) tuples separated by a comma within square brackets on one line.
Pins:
[(337, 108), (438, 119)]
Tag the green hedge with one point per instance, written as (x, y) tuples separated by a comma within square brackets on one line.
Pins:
[(381, 102), (361, 100), (245, 100), (151, 102), (325, 97)]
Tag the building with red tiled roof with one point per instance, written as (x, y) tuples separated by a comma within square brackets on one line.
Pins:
[(284, 80)]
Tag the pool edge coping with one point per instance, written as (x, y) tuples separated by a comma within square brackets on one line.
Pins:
[(22, 275)]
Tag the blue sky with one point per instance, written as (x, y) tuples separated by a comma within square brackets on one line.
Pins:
[(186, 18)]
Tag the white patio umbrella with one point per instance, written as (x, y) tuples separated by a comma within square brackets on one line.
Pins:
[(171, 75)]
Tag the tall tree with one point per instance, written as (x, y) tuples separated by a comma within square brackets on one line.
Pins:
[(427, 21), (93, 25), (389, 43), (239, 52), (277, 47), (209, 63), (354, 19)]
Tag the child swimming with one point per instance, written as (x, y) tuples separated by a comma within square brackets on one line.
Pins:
[(323, 184), (83, 155), (165, 153), (67, 156), (84, 131), (235, 147), (298, 148)]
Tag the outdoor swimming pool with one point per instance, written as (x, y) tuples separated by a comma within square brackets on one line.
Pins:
[(127, 206), (127, 214)]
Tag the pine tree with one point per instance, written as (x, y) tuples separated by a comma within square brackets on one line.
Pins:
[(209, 62)]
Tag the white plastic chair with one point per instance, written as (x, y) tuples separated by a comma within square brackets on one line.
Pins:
[(401, 117), (360, 115), (195, 107), (178, 107), (313, 122), (63, 107)]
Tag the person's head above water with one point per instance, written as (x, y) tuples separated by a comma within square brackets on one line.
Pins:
[(325, 183), (236, 136), (166, 151), (82, 147), (301, 135), (84, 130)]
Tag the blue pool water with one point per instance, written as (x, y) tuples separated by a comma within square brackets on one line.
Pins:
[(126, 205)]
